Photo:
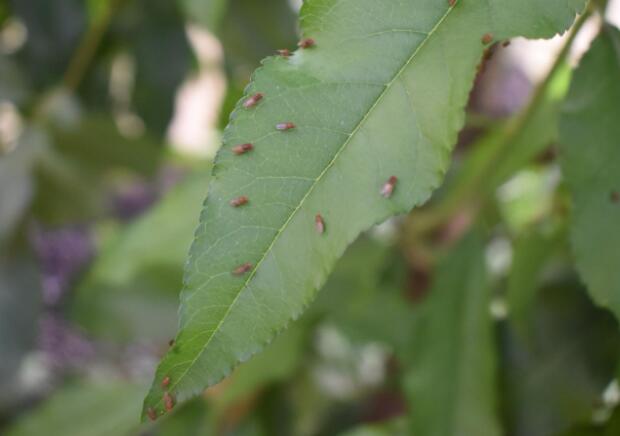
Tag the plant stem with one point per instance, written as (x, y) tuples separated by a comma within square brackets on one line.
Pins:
[(79, 63)]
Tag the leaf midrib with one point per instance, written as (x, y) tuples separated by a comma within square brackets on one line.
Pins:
[(310, 190)]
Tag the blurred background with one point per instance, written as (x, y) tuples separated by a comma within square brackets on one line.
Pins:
[(110, 116)]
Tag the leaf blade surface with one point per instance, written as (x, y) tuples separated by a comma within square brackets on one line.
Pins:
[(381, 94)]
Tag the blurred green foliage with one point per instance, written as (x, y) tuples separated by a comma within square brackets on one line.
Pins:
[(418, 331)]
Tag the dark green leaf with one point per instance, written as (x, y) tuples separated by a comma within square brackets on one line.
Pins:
[(555, 377), (591, 166), (397, 427), (532, 254), (451, 381), (20, 297), (163, 57), (13, 84), (609, 428), (54, 31), (81, 161), (16, 180)]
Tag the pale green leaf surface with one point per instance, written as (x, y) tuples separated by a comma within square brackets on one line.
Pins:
[(590, 134), (453, 373), (132, 288), (85, 409), (381, 94)]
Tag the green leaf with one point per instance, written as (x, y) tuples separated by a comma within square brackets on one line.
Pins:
[(85, 409), (278, 362), (520, 140), (453, 375), (381, 94), (591, 166), (95, 144), (16, 180), (531, 257), (362, 281), (155, 32), (609, 428), (555, 377), (13, 84), (207, 13), (54, 31), (192, 419), (80, 160), (20, 304), (132, 288)]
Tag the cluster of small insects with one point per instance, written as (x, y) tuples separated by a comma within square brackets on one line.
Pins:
[(168, 398), (253, 101)]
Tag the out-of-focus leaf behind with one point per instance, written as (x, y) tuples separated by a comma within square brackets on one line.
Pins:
[(206, 13), (154, 33), (20, 297), (54, 31), (556, 375), (609, 428), (16, 180), (80, 161), (590, 134), (453, 371), (368, 276), (532, 254), (394, 428), (131, 291), (85, 409)]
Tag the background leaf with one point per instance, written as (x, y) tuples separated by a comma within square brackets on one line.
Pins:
[(132, 289), (453, 371), (591, 166), (93, 409), (20, 304), (555, 376)]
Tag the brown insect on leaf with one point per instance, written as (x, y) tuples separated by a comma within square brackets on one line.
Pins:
[(242, 149), (242, 269), (506, 43), (285, 52), (165, 382), (319, 223), (152, 414), (285, 126), (239, 201), (452, 3), (487, 38), (253, 100), (171, 343), (168, 401), (388, 188), (306, 43)]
